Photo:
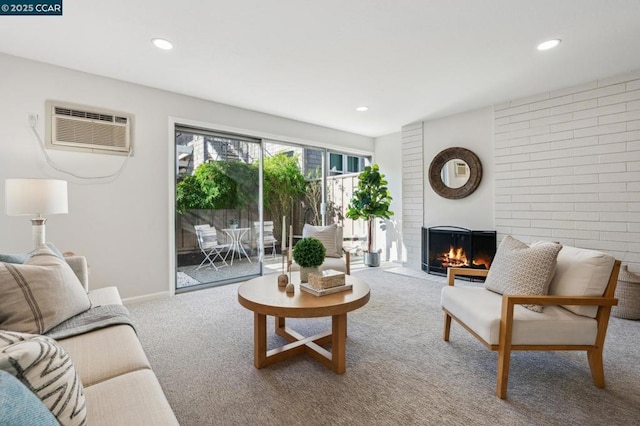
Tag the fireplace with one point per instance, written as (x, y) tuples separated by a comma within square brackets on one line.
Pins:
[(445, 246)]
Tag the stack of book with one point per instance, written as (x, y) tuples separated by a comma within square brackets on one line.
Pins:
[(325, 282)]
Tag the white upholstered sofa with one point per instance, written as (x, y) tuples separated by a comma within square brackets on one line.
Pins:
[(120, 387)]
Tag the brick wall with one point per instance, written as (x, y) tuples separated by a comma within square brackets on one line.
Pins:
[(412, 191), (567, 167)]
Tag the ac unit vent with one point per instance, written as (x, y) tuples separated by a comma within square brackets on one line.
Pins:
[(87, 128)]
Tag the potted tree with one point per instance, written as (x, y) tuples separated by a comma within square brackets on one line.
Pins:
[(370, 200), (309, 254)]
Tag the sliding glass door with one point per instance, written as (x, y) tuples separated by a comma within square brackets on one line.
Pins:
[(217, 208)]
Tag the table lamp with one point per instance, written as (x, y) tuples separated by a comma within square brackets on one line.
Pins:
[(36, 197)]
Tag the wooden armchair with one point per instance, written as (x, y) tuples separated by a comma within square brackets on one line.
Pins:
[(575, 314)]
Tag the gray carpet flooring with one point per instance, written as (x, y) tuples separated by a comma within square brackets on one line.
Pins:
[(399, 371)]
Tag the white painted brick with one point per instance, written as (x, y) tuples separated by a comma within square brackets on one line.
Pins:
[(633, 145), (532, 215), (575, 124), (503, 199), (574, 89), (633, 125), (619, 217), (527, 116), (622, 97), (553, 119), (539, 147), (627, 156), (633, 207), (531, 182), (515, 222), (631, 237), (601, 149), (531, 165), (552, 189), (576, 216), (600, 187), (512, 159), (558, 136), (633, 85), (498, 168), (602, 226), (600, 92), (619, 196), (574, 161), (556, 153), (596, 112), (523, 133), (573, 107), (552, 207), (501, 121), (511, 127), (620, 177), (599, 168), (512, 175), (623, 116), (600, 207), (571, 233), (633, 105), (551, 224), (503, 229), (507, 190), (561, 100), (633, 166), (529, 198), (557, 172), (575, 142), (574, 198), (512, 142), (618, 137), (600, 130), (513, 207), (511, 111), (534, 232), (633, 227)]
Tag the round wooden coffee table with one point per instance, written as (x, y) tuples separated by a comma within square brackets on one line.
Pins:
[(263, 296)]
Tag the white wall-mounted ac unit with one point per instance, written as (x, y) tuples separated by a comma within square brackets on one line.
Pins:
[(91, 129)]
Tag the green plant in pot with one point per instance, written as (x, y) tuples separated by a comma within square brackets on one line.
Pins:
[(309, 254), (371, 200)]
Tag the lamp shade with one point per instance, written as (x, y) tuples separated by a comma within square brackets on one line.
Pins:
[(35, 196)]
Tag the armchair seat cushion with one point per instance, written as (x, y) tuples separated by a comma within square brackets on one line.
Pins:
[(480, 310)]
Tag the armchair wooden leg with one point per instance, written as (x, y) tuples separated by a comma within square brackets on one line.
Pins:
[(447, 327), (597, 368), (504, 358)]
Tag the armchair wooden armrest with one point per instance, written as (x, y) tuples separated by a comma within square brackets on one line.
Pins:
[(453, 271)]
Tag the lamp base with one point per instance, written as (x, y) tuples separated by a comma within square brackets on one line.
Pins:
[(38, 231)]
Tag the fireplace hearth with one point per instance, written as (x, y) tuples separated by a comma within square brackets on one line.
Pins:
[(452, 246)]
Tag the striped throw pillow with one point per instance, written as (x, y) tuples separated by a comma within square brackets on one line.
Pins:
[(328, 235), (46, 369)]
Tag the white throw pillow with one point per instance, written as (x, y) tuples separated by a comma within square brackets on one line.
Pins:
[(46, 369), (39, 294), (520, 269), (330, 236), (581, 272)]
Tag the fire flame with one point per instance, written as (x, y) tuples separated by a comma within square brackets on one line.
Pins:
[(455, 257)]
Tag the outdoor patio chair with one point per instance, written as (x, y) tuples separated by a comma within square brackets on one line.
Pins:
[(209, 246), (268, 238)]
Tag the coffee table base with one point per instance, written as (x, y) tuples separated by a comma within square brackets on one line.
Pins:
[(334, 360)]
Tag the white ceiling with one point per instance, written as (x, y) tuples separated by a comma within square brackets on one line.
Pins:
[(316, 60)]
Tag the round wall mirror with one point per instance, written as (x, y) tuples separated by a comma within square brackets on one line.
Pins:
[(455, 173)]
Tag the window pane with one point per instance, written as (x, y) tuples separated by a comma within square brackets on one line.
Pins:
[(335, 162)]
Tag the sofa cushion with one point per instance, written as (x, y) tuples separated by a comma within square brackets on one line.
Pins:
[(20, 406), (520, 269), (106, 353), (130, 399), (105, 296), (39, 294), (581, 272), (480, 310), (47, 370), (330, 236)]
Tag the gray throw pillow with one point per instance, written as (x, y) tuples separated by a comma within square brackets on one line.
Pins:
[(523, 270), (39, 294)]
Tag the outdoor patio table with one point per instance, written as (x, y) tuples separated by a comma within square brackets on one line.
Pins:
[(236, 235)]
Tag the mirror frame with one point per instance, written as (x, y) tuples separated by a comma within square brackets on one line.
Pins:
[(475, 173)]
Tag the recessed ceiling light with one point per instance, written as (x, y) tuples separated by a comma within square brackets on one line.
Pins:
[(549, 44), (161, 43), (362, 108)]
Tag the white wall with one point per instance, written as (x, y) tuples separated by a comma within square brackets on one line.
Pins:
[(568, 167), (122, 226), (387, 156), (472, 130)]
